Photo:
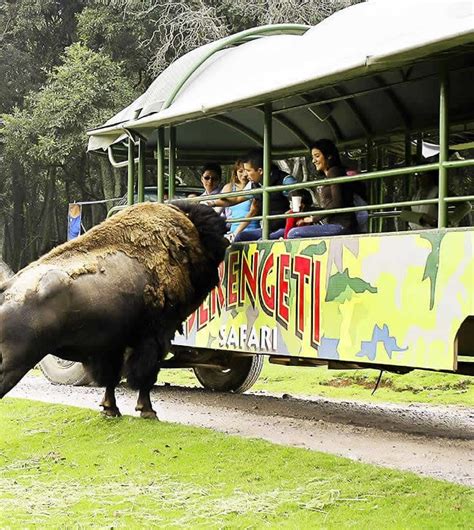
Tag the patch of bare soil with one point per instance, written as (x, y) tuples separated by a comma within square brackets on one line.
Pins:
[(431, 441)]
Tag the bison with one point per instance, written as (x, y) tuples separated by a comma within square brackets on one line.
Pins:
[(113, 298)]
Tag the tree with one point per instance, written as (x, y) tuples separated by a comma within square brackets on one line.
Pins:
[(33, 35), (106, 29), (68, 65), (182, 25), (45, 148)]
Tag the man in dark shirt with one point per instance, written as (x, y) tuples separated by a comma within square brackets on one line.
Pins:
[(253, 165)]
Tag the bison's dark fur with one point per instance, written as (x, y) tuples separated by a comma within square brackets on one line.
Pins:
[(113, 298)]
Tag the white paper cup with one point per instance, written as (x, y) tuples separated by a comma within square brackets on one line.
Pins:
[(296, 203)]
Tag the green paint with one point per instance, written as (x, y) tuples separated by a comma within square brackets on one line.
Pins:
[(432, 261), (265, 249), (290, 248), (341, 281), (345, 295), (315, 250)]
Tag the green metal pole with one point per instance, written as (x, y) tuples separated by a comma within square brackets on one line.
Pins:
[(172, 163), (379, 188), (131, 171), (443, 146), (160, 164), (267, 163), (141, 171), (406, 182), (419, 148), (419, 159), (408, 161), (370, 164)]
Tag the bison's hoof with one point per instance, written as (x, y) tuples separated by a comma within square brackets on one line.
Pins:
[(148, 414), (111, 413)]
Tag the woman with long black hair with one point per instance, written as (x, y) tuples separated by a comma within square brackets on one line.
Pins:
[(328, 164)]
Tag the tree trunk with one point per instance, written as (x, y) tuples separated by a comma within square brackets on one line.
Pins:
[(18, 217)]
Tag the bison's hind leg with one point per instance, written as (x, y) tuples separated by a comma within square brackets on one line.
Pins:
[(106, 370), (142, 367)]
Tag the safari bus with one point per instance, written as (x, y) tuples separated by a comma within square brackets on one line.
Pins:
[(382, 80)]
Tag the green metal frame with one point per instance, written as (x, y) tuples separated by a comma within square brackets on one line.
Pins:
[(371, 176), (141, 171), (443, 147), (131, 170), (232, 40), (172, 162), (267, 164), (160, 164)]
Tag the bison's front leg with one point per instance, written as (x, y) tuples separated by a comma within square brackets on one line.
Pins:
[(109, 404), (144, 405)]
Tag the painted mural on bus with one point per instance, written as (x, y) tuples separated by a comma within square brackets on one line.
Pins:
[(392, 299)]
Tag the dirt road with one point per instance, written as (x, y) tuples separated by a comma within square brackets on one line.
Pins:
[(432, 441)]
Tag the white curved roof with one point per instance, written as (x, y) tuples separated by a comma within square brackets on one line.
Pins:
[(354, 42)]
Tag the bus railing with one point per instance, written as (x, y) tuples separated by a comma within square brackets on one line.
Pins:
[(361, 177)]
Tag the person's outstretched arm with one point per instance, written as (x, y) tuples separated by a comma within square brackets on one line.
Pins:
[(254, 209)]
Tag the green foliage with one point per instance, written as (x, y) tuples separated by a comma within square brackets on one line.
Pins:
[(104, 28), (68, 65), (34, 35), (62, 467), (46, 141), (80, 94)]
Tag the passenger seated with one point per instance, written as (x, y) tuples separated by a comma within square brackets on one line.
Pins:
[(238, 181), (211, 178), (300, 200), (425, 216), (328, 165), (253, 165)]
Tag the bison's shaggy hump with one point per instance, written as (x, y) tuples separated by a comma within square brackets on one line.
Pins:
[(175, 243)]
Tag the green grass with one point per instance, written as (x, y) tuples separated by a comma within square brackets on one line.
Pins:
[(415, 387), (62, 467)]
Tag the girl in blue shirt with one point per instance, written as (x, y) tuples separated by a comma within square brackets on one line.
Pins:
[(238, 181)]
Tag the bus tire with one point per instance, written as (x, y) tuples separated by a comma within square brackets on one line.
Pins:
[(242, 373), (61, 372)]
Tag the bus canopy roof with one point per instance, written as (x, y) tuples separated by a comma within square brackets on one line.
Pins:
[(385, 52)]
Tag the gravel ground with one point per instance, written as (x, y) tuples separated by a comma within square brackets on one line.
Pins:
[(431, 441)]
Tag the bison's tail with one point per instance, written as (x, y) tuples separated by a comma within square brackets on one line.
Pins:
[(210, 226)]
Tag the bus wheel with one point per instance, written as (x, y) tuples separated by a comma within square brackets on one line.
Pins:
[(61, 372), (241, 374)]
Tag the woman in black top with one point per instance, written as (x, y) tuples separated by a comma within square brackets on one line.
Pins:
[(327, 161)]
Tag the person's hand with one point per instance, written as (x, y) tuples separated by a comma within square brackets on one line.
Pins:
[(428, 220), (304, 221)]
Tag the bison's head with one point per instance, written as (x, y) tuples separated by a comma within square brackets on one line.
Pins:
[(210, 226), (33, 305)]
